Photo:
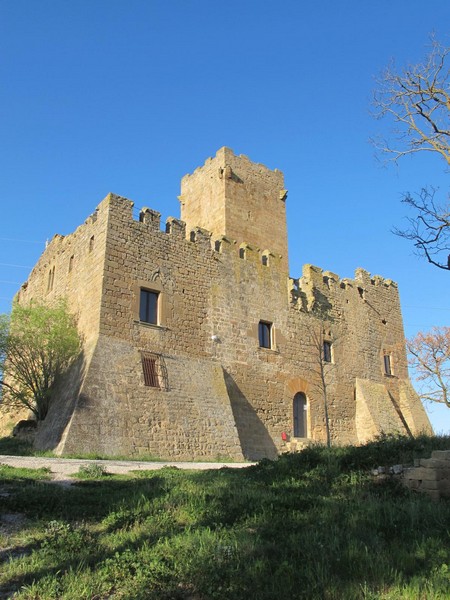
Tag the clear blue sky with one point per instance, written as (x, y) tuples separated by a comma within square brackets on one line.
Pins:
[(129, 95)]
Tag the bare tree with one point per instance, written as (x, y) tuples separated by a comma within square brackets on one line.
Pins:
[(429, 228), (429, 356), (417, 101), (322, 367)]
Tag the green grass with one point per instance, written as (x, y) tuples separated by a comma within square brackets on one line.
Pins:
[(313, 525), (16, 446)]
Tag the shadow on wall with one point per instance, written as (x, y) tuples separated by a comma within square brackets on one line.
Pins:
[(51, 429), (322, 305), (255, 440), (400, 414)]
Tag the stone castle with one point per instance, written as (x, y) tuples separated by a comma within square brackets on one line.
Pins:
[(198, 344)]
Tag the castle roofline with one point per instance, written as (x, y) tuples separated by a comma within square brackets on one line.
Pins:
[(225, 153)]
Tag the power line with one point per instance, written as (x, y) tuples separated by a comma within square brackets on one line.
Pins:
[(424, 307), (21, 241), (19, 266)]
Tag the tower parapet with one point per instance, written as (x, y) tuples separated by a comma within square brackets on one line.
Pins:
[(234, 197)]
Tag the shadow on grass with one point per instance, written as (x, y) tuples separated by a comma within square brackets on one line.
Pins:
[(15, 446)]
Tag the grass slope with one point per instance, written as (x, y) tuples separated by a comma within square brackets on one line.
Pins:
[(313, 525)]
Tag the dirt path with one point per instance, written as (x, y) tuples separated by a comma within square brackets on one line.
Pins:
[(62, 468)]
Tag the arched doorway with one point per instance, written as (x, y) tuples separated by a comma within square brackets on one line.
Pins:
[(300, 415)]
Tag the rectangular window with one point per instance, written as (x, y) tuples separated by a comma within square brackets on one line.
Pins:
[(51, 279), (154, 370), (148, 307), (265, 334), (327, 351), (387, 364), (150, 373)]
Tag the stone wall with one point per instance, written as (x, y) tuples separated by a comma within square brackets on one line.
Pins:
[(430, 476), (115, 413)]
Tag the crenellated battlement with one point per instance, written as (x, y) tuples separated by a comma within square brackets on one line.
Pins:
[(228, 155), (313, 275), (118, 209), (149, 220), (319, 287)]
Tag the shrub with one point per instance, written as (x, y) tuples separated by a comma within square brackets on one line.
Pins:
[(91, 471)]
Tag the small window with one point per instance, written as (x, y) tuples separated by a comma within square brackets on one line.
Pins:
[(149, 369), (265, 334), (51, 279), (148, 307), (154, 370), (265, 260), (218, 246), (71, 263), (300, 416), (327, 351), (387, 364), (242, 253), (91, 244)]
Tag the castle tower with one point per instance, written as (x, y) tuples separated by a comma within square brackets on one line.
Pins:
[(244, 201)]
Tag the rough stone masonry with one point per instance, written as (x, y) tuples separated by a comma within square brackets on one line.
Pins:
[(198, 344)]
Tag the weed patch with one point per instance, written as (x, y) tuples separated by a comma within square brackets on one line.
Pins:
[(91, 471)]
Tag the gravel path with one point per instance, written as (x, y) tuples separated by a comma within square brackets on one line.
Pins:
[(63, 468)]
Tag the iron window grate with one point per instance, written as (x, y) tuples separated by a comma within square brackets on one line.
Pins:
[(154, 370)]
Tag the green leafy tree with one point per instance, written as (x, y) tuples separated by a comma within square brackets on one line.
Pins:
[(38, 343), (416, 102)]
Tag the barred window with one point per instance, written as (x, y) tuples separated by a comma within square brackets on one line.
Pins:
[(154, 370)]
